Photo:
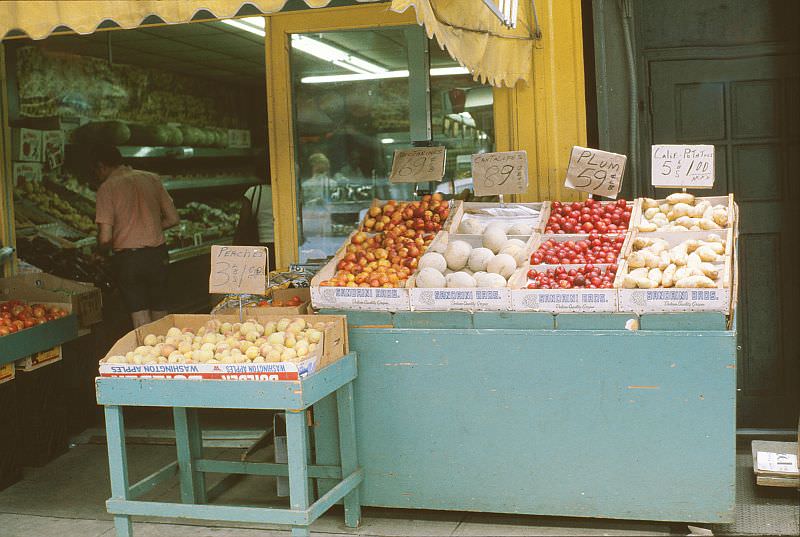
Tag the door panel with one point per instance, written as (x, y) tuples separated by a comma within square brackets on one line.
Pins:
[(742, 106)]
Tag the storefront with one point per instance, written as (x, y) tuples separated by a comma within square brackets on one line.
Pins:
[(345, 86)]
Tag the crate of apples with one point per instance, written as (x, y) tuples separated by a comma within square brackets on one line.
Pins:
[(16, 315), (595, 248), (588, 216), (392, 238)]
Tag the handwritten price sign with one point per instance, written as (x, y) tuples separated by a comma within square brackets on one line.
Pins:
[(419, 165), (596, 172), (683, 166), (238, 270), (500, 173)]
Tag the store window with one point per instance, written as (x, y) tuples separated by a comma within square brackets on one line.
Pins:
[(353, 108)]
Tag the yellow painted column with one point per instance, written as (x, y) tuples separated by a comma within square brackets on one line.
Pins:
[(548, 116)]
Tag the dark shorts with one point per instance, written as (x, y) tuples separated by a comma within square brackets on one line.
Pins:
[(141, 276)]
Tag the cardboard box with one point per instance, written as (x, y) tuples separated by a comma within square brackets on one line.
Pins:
[(7, 372), (86, 299), (462, 299), (334, 346), (26, 145), (493, 212), (26, 172), (638, 210), (560, 300), (673, 299), (365, 298), (40, 359)]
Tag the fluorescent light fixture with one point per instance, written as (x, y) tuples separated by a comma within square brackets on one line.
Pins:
[(387, 140), (324, 79), (254, 25), (337, 56)]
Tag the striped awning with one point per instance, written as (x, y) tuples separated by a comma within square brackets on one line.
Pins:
[(39, 18)]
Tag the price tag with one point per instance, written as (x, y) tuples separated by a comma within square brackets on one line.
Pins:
[(418, 165), (238, 270), (596, 172), (500, 173), (683, 166)]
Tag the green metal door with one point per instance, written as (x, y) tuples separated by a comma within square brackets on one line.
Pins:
[(747, 107)]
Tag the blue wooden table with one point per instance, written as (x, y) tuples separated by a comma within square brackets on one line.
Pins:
[(185, 396), (532, 413)]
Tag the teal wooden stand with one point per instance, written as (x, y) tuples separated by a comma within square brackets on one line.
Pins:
[(531, 413), (294, 397)]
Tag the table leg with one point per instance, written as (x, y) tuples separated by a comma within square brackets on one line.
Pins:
[(118, 465), (189, 443), (297, 441), (347, 451)]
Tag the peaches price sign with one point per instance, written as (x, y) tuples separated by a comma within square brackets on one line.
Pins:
[(419, 165), (596, 172), (500, 173), (238, 270)]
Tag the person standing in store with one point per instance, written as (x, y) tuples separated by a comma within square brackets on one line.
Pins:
[(256, 222), (133, 210)]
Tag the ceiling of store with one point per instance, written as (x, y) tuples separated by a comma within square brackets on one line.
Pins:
[(213, 50)]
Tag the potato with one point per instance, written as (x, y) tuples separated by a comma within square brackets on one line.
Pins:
[(637, 260), (651, 212), (707, 254), (647, 227), (655, 276), (649, 203), (695, 281), (668, 276), (707, 223), (710, 270), (680, 197), (645, 283)]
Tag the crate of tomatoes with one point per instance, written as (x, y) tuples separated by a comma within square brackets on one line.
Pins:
[(28, 327)]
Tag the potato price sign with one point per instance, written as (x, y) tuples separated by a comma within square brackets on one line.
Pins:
[(500, 173), (419, 165), (683, 166), (596, 172), (238, 270)]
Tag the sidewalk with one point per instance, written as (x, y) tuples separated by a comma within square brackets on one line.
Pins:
[(66, 499)]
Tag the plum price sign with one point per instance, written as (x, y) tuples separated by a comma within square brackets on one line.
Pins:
[(494, 174), (596, 172), (682, 166), (418, 165), (238, 270)]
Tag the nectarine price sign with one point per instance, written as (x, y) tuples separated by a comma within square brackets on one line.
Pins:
[(418, 165), (500, 173), (238, 270), (682, 166), (596, 172)]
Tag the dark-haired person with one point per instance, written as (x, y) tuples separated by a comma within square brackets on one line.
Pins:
[(133, 210)]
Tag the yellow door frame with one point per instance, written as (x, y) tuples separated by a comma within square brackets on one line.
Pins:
[(545, 117)]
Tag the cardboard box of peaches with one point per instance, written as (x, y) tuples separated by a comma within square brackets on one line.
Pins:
[(150, 351), (372, 268)]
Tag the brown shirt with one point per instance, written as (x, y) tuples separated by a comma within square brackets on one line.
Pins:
[(133, 202)]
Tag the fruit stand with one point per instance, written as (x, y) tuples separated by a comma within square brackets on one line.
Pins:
[(600, 382)]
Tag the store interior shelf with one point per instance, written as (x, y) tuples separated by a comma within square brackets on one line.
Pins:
[(211, 182), (179, 152), (179, 254)]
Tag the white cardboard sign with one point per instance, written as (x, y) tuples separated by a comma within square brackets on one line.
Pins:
[(500, 173), (238, 270), (682, 166), (596, 172), (418, 165)]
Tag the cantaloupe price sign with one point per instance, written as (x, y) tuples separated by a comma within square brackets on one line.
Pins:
[(682, 166), (238, 270), (596, 172), (505, 172), (418, 165)]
